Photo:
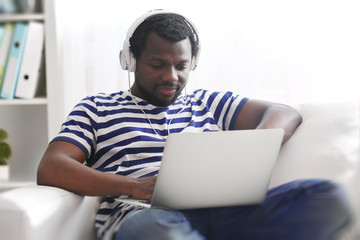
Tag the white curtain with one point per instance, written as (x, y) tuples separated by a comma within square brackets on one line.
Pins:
[(280, 50)]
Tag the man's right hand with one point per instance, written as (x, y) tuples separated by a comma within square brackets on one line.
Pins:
[(143, 188)]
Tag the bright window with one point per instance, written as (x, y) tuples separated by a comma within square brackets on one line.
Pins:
[(280, 50)]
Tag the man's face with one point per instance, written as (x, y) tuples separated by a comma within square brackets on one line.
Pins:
[(162, 70)]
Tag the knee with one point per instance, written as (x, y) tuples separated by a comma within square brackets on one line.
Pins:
[(327, 189), (154, 223), (329, 193)]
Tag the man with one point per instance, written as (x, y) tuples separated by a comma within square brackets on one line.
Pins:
[(120, 138)]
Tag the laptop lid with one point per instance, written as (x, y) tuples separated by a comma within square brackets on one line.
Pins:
[(216, 169)]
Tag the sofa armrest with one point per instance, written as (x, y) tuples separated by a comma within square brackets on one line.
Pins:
[(41, 212)]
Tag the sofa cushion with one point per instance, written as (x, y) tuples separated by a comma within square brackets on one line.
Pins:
[(326, 145)]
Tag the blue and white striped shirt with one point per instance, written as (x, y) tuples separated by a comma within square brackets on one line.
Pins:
[(117, 137)]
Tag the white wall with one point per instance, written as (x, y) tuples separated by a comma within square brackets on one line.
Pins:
[(281, 50)]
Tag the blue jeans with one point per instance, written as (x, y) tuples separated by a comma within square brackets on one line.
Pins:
[(306, 209)]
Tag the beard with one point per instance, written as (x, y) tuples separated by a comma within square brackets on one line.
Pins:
[(152, 97)]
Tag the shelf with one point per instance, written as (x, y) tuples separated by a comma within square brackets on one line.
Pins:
[(17, 102), (21, 17), (27, 120)]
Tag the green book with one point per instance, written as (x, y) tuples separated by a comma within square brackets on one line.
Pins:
[(5, 47)]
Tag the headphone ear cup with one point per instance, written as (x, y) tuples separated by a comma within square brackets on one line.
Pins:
[(195, 59), (123, 62), (127, 61)]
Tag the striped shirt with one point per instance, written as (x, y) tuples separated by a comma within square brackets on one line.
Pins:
[(117, 137)]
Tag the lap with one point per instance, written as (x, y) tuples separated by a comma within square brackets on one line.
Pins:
[(157, 223), (303, 207)]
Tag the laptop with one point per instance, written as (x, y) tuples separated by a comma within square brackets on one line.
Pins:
[(215, 169)]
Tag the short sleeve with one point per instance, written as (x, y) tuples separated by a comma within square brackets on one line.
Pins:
[(80, 126)]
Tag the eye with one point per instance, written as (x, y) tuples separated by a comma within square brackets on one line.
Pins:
[(157, 66), (181, 67)]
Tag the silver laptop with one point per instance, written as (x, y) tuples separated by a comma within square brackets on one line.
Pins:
[(215, 169)]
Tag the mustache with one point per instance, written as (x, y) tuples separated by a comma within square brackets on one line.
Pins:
[(168, 84)]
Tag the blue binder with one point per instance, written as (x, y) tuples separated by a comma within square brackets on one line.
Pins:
[(14, 60)]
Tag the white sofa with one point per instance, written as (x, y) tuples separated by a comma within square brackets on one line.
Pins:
[(326, 145)]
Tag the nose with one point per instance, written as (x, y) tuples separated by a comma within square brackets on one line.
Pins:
[(170, 74)]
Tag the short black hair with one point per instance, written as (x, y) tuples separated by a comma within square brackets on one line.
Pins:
[(171, 27)]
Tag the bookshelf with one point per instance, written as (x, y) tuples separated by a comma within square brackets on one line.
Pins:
[(32, 123), (22, 17), (34, 101)]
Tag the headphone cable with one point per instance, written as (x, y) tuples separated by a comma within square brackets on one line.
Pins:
[(152, 127)]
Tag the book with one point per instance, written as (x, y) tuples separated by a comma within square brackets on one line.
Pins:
[(4, 49), (2, 31), (14, 60), (30, 74), (2, 34)]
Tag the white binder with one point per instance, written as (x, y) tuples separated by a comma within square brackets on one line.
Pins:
[(30, 75)]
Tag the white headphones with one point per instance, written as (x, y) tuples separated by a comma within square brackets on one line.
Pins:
[(127, 59)]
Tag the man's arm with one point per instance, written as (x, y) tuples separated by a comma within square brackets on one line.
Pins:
[(62, 166), (261, 114)]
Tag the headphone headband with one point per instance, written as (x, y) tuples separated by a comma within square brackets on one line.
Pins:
[(127, 59)]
